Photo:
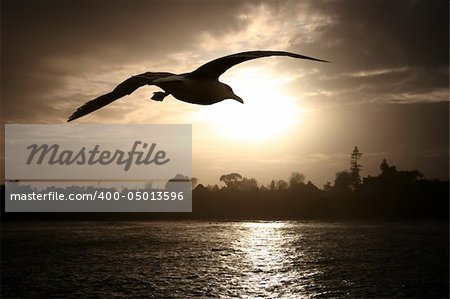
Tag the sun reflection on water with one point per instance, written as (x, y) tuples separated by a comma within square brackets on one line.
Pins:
[(268, 259), (188, 259), (262, 245)]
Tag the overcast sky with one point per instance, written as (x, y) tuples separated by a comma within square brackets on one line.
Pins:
[(385, 91)]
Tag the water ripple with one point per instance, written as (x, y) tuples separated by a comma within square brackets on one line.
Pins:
[(224, 259)]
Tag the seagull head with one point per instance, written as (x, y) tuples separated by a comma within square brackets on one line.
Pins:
[(229, 94)]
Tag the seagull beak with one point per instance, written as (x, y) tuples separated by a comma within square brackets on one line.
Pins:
[(235, 97)]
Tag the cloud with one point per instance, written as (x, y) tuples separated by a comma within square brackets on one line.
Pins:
[(380, 51), (58, 54), (73, 50), (378, 72), (269, 26)]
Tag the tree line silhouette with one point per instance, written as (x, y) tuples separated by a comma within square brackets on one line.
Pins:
[(392, 194)]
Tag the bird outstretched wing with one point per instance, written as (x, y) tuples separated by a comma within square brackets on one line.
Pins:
[(217, 67), (125, 88)]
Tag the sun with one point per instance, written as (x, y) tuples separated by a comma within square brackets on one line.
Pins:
[(268, 111)]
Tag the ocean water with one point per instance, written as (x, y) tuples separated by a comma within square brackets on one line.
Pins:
[(225, 259)]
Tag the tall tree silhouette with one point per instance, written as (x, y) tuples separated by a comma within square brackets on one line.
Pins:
[(355, 168), (384, 167), (231, 180)]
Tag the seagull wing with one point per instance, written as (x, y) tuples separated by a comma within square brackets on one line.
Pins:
[(217, 67), (125, 88)]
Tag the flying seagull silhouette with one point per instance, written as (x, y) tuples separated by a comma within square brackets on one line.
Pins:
[(201, 86)]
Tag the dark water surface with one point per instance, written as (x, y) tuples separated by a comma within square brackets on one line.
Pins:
[(225, 259)]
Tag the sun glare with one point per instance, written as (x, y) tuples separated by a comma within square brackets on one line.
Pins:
[(268, 111)]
